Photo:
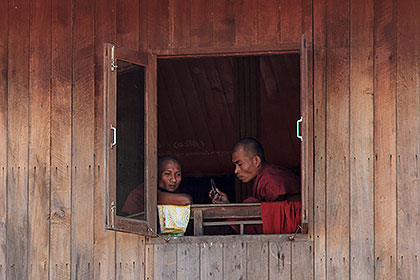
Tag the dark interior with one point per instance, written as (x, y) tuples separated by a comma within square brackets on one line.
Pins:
[(205, 104)]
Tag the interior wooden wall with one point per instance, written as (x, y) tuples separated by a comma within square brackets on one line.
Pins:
[(366, 112)]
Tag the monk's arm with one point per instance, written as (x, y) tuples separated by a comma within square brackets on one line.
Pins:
[(173, 198)]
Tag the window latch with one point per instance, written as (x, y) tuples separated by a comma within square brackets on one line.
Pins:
[(113, 64), (114, 136), (298, 132), (112, 210)]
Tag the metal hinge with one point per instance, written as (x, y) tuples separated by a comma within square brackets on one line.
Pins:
[(113, 64), (113, 210)]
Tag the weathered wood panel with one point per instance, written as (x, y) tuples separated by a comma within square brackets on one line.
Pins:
[(302, 260), (408, 133), (180, 23), (188, 261), (211, 260), (104, 240), (129, 256), (361, 141), (257, 260), (201, 23), (39, 139), (127, 23), (234, 256), (83, 140), (280, 260), (61, 104), (268, 22), (385, 140), (3, 136), (165, 261), (245, 22), (319, 191), (291, 21), (18, 137), (223, 23), (158, 24)]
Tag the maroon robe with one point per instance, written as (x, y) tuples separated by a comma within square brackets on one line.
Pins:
[(273, 183), (135, 201)]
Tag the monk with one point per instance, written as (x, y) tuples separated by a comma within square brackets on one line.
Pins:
[(271, 182), (169, 171)]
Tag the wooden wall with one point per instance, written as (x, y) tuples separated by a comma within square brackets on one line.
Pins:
[(366, 124)]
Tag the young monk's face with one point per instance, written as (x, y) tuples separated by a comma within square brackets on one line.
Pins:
[(246, 166), (170, 176)]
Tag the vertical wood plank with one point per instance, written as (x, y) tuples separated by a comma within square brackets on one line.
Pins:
[(3, 136), (408, 130), (307, 19), (83, 140), (104, 240), (302, 260), (182, 24), (385, 140), (268, 21), (188, 261), (290, 21), (337, 141), (149, 262), (129, 260), (223, 23), (39, 139), (245, 22), (165, 262), (17, 173), (319, 191), (361, 140), (211, 260), (201, 23), (61, 104), (158, 24), (280, 260), (128, 24), (257, 260), (234, 259), (337, 176)]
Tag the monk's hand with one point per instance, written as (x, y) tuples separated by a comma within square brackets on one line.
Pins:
[(219, 197)]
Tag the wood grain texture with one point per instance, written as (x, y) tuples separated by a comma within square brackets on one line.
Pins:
[(165, 261), (128, 24), (83, 140), (361, 141), (408, 133), (290, 21), (201, 29), (257, 260), (280, 260), (39, 139), (61, 141), (188, 261), (104, 240), (337, 170), (223, 23), (246, 32), (158, 24), (149, 261), (18, 137), (129, 259), (180, 17), (385, 140), (211, 260), (268, 27), (302, 260), (234, 258), (3, 136)]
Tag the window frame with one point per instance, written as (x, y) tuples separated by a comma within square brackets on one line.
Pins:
[(149, 61)]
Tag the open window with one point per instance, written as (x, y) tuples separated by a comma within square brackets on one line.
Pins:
[(130, 137), (195, 107)]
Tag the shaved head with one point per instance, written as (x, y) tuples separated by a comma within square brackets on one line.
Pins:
[(251, 146)]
